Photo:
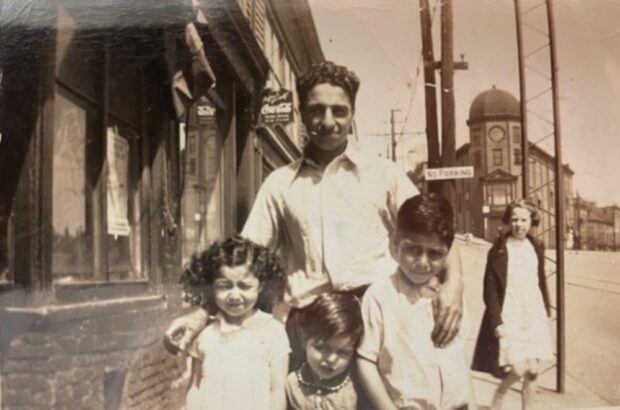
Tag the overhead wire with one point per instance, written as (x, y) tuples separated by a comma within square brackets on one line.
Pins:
[(417, 73)]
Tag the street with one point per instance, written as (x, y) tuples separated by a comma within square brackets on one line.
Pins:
[(592, 326)]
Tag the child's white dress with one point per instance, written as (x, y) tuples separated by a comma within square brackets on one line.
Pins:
[(524, 316), (236, 363)]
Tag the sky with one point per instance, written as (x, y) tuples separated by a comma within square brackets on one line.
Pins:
[(380, 41)]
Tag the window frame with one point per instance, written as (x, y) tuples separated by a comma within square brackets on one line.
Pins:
[(517, 156), (498, 160), (516, 134), (97, 217)]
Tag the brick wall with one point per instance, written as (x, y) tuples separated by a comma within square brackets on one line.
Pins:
[(101, 355)]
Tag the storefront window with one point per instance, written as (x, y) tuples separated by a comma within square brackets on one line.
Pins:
[(72, 253), (97, 209), (123, 202), (202, 188)]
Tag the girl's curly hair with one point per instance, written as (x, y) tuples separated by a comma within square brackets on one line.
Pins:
[(204, 267)]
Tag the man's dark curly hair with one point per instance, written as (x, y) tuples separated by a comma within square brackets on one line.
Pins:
[(427, 214), (204, 267), (327, 72)]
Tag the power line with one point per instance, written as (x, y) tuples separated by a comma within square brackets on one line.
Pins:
[(417, 72)]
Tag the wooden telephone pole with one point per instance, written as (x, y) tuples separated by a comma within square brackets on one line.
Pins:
[(430, 96), (430, 93), (447, 65)]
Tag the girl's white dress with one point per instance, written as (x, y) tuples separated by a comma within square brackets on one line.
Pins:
[(236, 363), (524, 316)]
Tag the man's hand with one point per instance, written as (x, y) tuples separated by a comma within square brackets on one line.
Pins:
[(448, 312), (183, 330)]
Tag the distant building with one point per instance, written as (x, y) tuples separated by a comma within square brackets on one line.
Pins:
[(494, 150), (596, 228)]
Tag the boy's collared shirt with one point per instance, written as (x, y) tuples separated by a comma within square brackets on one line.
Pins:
[(398, 322), (331, 227)]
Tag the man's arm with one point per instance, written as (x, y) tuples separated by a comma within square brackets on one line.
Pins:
[(373, 385), (184, 329), (448, 305)]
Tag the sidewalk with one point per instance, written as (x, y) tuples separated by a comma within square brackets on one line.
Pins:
[(576, 396)]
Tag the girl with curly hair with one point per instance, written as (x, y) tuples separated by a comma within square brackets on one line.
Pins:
[(240, 359)]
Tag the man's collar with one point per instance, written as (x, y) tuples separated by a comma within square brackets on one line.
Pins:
[(351, 153)]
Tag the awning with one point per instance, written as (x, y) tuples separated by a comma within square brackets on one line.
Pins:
[(191, 75), (95, 15)]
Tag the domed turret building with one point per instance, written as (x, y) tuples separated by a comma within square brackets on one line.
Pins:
[(494, 150)]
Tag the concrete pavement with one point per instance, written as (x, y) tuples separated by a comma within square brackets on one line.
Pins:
[(593, 364)]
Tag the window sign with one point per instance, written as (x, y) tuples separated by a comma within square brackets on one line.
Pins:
[(117, 195), (206, 113), (276, 107)]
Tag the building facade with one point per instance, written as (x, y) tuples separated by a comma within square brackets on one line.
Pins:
[(108, 115), (284, 38), (494, 151), (596, 227)]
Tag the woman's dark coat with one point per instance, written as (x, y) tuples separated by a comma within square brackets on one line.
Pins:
[(486, 354)]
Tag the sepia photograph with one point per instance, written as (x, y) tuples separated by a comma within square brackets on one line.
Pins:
[(309, 204)]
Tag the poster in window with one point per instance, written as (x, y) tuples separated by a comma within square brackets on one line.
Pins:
[(117, 197)]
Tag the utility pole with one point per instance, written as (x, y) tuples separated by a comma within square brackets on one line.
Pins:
[(430, 94), (447, 66), (559, 206), (523, 105), (558, 181), (448, 127)]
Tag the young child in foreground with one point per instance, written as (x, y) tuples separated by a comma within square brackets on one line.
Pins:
[(331, 328), (241, 357), (398, 364)]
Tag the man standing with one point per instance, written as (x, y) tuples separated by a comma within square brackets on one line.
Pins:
[(330, 213)]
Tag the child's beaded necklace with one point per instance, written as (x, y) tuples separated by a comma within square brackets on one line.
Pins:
[(320, 390)]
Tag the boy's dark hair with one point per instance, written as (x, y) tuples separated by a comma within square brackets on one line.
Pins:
[(204, 267), (522, 203), (332, 314), (330, 73), (427, 214)]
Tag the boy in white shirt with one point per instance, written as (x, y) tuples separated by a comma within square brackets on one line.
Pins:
[(399, 366)]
